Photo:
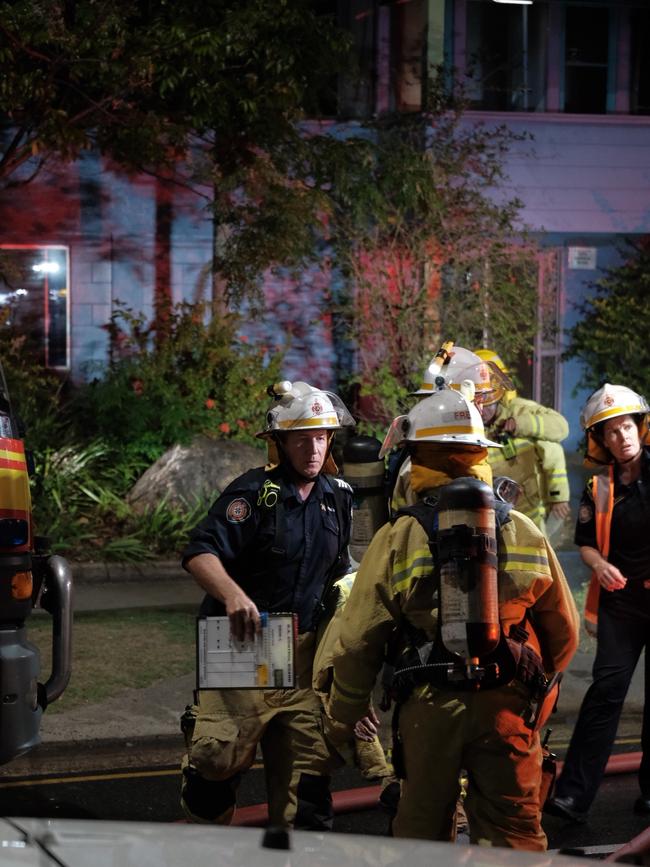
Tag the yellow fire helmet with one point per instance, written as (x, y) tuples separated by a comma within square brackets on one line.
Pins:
[(503, 386), (447, 416), (300, 406)]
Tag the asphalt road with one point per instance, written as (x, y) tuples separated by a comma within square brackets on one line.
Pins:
[(152, 795)]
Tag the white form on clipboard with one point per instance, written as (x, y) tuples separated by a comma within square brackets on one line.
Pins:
[(265, 662)]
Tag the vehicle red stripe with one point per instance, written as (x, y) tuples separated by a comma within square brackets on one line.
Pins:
[(6, 464), (12, 445), (14, 513)]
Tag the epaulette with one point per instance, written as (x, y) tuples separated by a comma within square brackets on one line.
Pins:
[(341, 483)]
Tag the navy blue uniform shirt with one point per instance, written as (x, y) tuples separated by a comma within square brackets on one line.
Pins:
[(280, 550)]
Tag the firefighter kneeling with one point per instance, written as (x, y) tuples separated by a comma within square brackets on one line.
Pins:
[(485, 620)]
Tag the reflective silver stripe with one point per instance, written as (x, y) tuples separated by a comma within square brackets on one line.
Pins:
[(415, 567)]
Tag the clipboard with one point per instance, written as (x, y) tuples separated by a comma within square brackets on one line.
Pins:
[(266, 662)]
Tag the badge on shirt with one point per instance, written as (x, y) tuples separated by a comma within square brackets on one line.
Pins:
[(238, 511), (585, 513)]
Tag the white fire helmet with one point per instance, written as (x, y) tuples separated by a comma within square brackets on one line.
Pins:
[(447, 417), (457, 365), (610, 401), (300, 406)]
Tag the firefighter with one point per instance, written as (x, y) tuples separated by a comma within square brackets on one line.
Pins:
[(480, 712), (531, 455), (613, 532), (461, 369), (275, 540), (363, 751)]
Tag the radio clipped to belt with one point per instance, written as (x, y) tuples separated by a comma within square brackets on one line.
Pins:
[(508, 446)]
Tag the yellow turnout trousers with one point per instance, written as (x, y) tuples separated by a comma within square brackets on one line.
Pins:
[(223, 731), (441, 734)]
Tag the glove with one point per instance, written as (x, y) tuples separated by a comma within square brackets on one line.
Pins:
[(529, 666)]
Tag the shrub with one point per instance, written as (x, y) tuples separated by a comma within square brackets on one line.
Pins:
[(166, 382), (185, 375)]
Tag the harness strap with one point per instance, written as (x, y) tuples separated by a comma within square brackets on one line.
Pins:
[(443, 669)]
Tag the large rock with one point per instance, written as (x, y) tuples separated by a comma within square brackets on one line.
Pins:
[(199, 471)]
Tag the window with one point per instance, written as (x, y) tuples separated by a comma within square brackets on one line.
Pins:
[(586, 56), (34, 284), (640, 62), (408, 27), (506, 55), (349, 93), (387, 57)]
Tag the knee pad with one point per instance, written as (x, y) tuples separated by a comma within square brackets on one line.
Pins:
[(208, 800), (314, 811)]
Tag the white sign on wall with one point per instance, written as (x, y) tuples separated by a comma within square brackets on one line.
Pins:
[(582, 258)]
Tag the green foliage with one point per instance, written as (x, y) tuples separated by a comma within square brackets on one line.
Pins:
[(140, 81), (430, 250), (382, 397), (186, 375), (610, 337), (165, 528), (198, 376), (79, 503), (210, 102), (77, 494), (191, 374)]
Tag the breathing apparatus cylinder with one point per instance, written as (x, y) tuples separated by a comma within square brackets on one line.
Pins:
[(467, 551), (364, 471)]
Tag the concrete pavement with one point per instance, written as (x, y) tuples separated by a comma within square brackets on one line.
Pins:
[(139, 722)]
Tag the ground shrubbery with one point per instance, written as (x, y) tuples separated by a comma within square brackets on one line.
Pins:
[(190, 374)]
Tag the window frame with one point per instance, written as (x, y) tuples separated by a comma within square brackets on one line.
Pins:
[(65, 248), (618, 96)]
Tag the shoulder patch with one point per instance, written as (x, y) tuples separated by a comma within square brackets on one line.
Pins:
[(342, 483), (238, 511), (585, 513)]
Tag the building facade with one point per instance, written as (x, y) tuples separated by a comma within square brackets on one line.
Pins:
[(575, 75)]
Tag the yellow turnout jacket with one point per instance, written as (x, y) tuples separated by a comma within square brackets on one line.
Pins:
[(395, 583), (538, 463)]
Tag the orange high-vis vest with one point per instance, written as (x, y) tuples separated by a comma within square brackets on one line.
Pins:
[(603, 494)]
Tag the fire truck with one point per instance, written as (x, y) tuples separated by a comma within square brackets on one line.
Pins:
[(30, 577)]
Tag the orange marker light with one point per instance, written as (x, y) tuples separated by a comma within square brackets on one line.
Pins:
[(21, 585)]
